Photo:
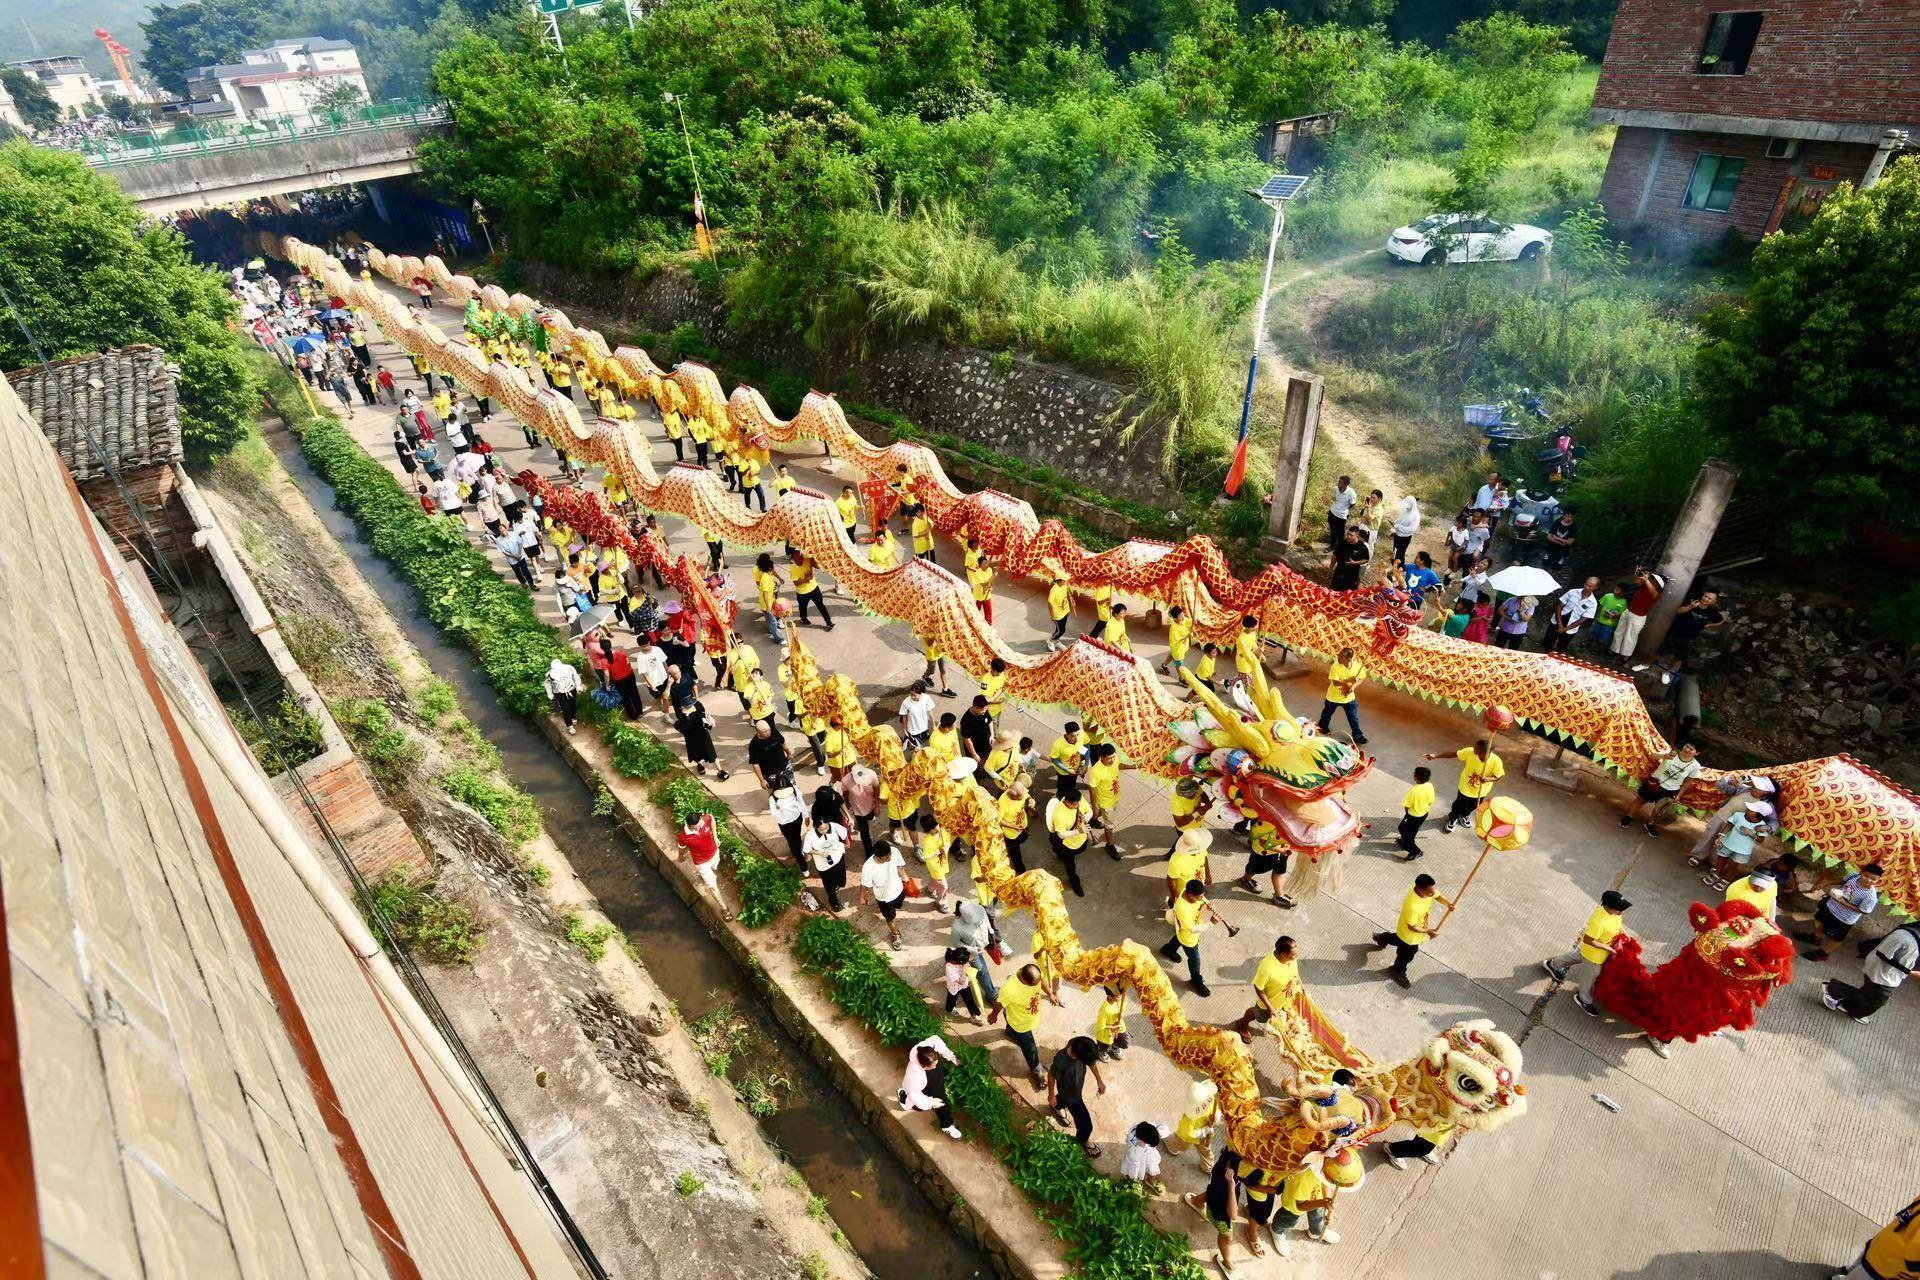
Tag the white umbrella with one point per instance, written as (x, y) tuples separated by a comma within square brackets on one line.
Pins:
[(1523, 580)]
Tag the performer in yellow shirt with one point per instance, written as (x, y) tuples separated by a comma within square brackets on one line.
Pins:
[(1343, 679), (1102, 609), (1203, 669), (1103, 787), (1110, 1024), (1480, 768), (1179, 639), (1412, 929), (882, 555), (701, 433), (1414, 808), (1246, 647), (848, 505), (980, 578), (1015, 811), (1190, 859), (994, 685), (1593, 949), (1116, 632), (1059, 608), (922, 529), (1276, 980)]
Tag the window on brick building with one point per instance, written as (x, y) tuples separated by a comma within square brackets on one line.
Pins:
[(1729, 44), (1713, 183)]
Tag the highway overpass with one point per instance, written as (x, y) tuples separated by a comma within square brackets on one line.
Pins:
[(192, 169)]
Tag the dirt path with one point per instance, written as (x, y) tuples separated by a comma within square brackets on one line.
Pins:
[(1348, 432)]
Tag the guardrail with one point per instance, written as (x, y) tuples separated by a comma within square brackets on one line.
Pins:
[(268, 132)]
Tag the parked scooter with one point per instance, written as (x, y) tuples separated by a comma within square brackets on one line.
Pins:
[(1528, 519)]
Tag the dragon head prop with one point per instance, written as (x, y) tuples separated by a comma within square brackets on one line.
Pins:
[(1269, 765), (1471, 1076)]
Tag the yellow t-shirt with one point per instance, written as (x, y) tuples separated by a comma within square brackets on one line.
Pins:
[(1301, 1190), (671, 421), (1274, 977), (1204, 668), (1188, 921), (1021, 1003), (1108, 1021), (1059, 600), (698, 429), (1103, 602), (1246, 651), (1103, 780), (1183, 808), (839, 747), (1195, 1125), (981, 578), (881, 556), (1477, 776), (1742, 890), (1603, 926), (766, 583), (1892, 1252), (1339, 672), (783, 485), (994, 686), (1184, 865), (1116, 635), (1013, 817), (759, 698), (742, 665), (970, 557), (1003, 765), (849, 509), (1414, 913), (1418, 801), (934, 847), (945, 743), (1061, 819), (802, 578), (922, 535), (1179, 638), (1066, 756)]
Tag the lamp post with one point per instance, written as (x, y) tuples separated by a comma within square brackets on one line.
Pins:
[(699, 198), (1279, 189)]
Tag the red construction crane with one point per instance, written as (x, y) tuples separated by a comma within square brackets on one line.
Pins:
[(118, 52)]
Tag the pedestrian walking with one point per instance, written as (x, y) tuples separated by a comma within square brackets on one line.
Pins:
[(1140, 1160), (973, 929), (1066, 1084), (1480, 768), (625, 682), (1343, 679), (1349, 557), (1276, 981), (883, 882), (563, 690), (924, 1086), (860, 789), (1740, 789), (1842, 908), (696, 731), (1406, 523), (806, 588), (1885, 967), (1414, 808), (1191, 914), (699, 843), (1412, 929), (789, 814), (1069, 819), (957, 977), (1019, 1003), (1193, 1131), (1598, 937), (1891, 1254), (1014, 808), (825, 849)]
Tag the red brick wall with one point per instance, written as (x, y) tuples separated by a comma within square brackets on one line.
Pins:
[(1753, 200), (376, 837), (1846, 61)]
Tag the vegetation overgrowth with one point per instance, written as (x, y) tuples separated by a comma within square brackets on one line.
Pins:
[(1101, 1221)]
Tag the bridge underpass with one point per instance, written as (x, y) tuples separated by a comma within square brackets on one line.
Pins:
[(205, 172)]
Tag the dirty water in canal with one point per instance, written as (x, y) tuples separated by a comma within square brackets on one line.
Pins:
[(889, 1223)]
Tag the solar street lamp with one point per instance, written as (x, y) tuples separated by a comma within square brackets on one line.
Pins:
[(1279, 189)]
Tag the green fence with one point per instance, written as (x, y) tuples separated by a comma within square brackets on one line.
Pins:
[(266, 131)]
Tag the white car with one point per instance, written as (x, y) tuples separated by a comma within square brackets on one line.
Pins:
[(1467, 237)]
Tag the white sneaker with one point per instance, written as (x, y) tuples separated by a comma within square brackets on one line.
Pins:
[(1329, 1236), (1282, 1245), (953, 1131), (1662, 1047), (1396, 1161), (1432, 1158)]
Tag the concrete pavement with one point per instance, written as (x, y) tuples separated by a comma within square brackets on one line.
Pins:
[(1772, 1153)]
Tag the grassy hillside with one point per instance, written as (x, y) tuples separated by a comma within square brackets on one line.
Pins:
[(66, 26)]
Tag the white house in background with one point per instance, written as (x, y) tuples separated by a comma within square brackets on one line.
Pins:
[(10, 114), (284, 79), (68, 82)]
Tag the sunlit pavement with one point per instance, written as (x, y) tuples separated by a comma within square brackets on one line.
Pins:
[(1770, 1153)]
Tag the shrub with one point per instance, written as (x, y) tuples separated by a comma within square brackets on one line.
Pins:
[(287, 738), (389, 752), (435, 699), (688, 1183), (435, 928), (507, 809), (591, 939)]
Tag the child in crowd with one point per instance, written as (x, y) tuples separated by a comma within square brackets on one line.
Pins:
[(1731, 855), (1109, 1024), (1140, 1162), (1607, 613), (1209, 657), (960, 988), (936, 851)]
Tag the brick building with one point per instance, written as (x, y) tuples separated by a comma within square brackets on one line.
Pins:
[(1744, 118)]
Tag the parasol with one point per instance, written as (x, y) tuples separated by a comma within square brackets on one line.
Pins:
[(1523, 580)]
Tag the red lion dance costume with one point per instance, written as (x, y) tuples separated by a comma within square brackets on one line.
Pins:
[(1718, 981)]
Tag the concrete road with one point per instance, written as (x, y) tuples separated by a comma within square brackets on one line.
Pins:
[(1771, 1153)]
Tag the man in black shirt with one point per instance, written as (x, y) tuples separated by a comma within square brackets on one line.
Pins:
[(1561, 535), (767, 753), (1702, 613), (1349, 558), (976, 730)]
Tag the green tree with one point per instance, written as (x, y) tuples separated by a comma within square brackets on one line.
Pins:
[(88, 273), (30, 97), (1809, 382), (200, 33)]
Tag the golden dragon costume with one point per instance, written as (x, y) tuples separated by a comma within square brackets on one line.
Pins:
[(1836, 807)]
